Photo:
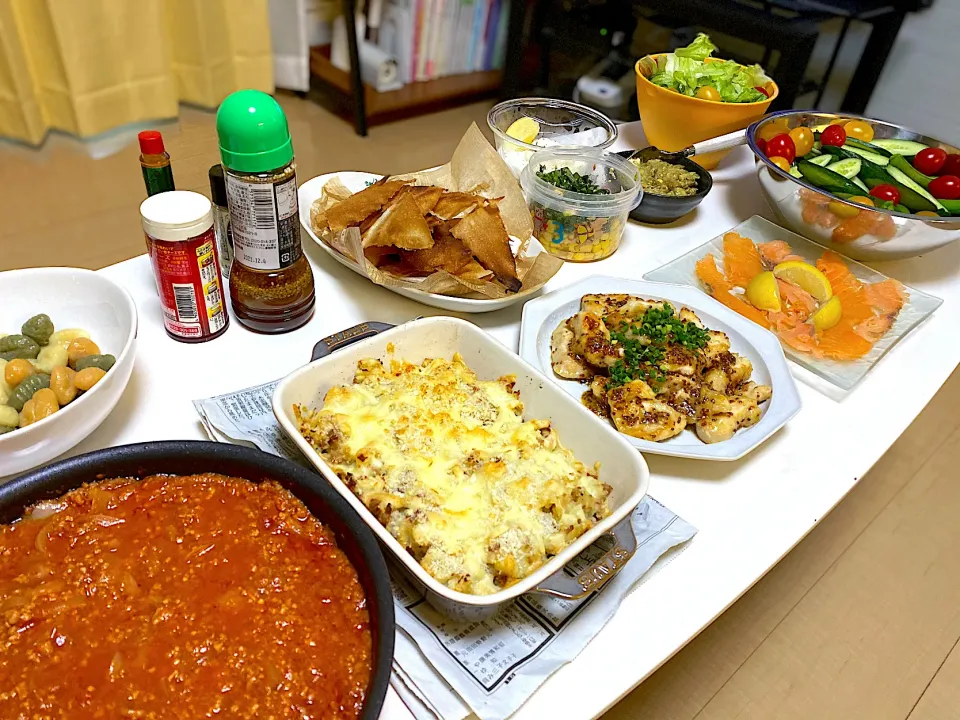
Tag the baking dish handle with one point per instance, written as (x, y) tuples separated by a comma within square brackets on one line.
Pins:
[(346, 337), (596, 575)]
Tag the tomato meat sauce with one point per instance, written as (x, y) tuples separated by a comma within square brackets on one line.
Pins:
[(179, 597)]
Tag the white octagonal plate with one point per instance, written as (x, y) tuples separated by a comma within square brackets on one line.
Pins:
[(761, 347)]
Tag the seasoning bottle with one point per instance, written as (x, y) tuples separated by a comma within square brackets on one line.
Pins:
[(271, 284), (183, 252), (155, 163), (221, 219)]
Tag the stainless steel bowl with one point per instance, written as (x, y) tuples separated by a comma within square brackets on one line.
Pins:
[(795, 201)]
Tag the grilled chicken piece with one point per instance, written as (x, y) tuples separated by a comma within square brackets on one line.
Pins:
[(596, 397), (721, 416), (635, 411), (728, 371), (592, 340), (717, 344), (678, 359), (619, 304), (688, 315), (754, 392), (564, 360), (682, 393), (739, 371)]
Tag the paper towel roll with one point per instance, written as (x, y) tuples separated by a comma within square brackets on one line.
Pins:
[(378, 69)]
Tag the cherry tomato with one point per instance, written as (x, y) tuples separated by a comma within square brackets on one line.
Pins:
[(886, 192), (762, 145), (859, 129), (781, 162), (930, 161), (782, 146), (843, 210), (834, 135), (802, 139), (928, 213), (708, 93), (952, 165), (762, 89), (863, 200), (772, 129), (945, 187)]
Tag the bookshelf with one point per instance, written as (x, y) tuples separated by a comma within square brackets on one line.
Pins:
[(411, 99)]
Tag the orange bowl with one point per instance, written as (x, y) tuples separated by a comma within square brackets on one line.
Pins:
[(672, 121)]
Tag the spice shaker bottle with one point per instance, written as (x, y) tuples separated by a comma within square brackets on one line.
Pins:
[(221, 219), (183, 252), (271, 284)]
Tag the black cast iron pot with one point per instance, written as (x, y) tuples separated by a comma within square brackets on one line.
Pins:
[(186, 457)]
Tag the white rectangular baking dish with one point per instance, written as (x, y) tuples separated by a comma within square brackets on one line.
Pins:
[(587, 436)]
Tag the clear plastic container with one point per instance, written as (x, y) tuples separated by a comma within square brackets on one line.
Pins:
[(577, 226), (563, 124)]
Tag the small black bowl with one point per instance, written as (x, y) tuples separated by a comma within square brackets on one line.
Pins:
[(660, 209)]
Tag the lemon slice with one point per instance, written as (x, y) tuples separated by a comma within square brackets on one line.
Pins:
[(828, 315), (806, 277), (763, 293), (525, 130)]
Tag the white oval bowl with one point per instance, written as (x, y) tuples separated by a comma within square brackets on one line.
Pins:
[(73, 298)]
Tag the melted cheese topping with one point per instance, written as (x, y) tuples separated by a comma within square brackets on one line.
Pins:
[(480, 497)]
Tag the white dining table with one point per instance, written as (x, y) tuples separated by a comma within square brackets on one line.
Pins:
[(750, 513)]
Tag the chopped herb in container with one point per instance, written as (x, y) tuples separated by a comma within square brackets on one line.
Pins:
[(580, 201)]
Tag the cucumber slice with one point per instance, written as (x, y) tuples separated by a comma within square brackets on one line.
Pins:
[(849, 167), (904, 166), (859, 183), (866, 154), (904, 179), (869, 147), (823, 160), (826, 179), (796, 173), (951, 207), (900, 147)]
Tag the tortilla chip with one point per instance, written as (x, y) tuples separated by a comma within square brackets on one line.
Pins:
[(452, 204), (447, 253), (356, 208), (483, 233), (425, 195), (401, 225)]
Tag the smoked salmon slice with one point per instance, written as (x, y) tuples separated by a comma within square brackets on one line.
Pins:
[(741, 259)]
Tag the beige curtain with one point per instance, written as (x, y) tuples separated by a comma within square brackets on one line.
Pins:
[(87, 66)]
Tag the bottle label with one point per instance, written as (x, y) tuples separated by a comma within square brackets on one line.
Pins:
[(264, 223), (157, 180)]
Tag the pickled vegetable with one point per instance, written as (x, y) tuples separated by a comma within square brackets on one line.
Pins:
[(62, 384), (26, 415), (39, 327), (25, 390), (86, 379), (5, 389), (18, 346), (104, 362)]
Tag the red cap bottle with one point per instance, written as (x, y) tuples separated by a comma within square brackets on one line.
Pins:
[(155, 163)]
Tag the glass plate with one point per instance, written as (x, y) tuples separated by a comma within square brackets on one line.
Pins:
[(844, 375)]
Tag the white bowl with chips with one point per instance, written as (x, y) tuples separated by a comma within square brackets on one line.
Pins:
[(357, 181)]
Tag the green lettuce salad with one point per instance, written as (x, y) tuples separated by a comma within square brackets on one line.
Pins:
[(685, 71)]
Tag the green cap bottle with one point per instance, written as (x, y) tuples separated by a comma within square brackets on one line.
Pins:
[(253, 133)]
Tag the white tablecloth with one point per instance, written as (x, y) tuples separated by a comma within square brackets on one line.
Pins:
[(750, 513)]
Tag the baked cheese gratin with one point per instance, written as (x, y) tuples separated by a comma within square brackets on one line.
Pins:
[(445, 461)]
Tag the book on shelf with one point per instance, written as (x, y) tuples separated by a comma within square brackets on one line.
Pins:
[(436, 38)]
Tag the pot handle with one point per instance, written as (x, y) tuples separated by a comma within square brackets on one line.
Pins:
[(334, 342), (596, 575)]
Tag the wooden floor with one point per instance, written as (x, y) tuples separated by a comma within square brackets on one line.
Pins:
[(861, 620)]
